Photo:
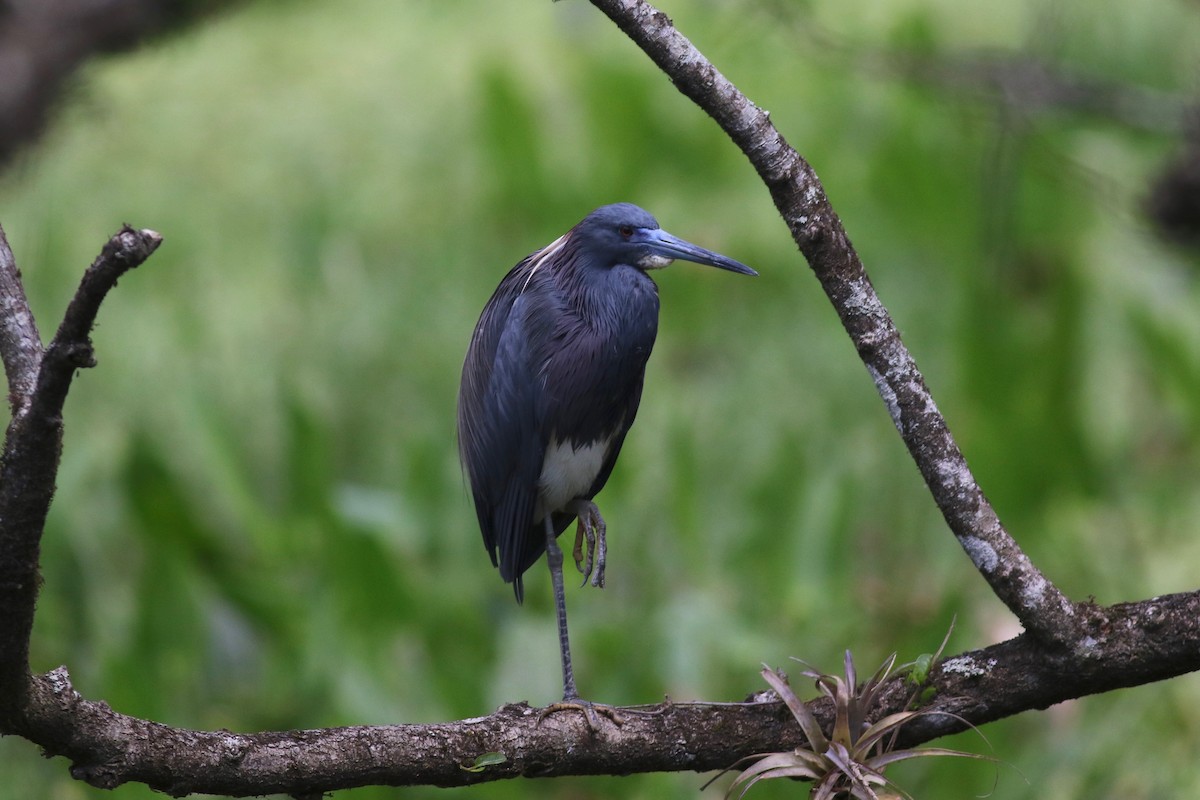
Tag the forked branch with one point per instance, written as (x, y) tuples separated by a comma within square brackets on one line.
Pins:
[(38, 384)]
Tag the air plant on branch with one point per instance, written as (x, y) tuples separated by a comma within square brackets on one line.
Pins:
[(850, 761)]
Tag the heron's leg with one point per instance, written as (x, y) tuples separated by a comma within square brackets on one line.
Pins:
[(592, 528), (554, 558), (571, 700)]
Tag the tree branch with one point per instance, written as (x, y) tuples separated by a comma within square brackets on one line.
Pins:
[(71, 348), (34, 443), (800, 198), (1026, 83), (1132, 644), (20, 344), (43, 43), (1030, 85)]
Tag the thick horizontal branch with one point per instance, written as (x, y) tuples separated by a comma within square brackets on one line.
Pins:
[(1125, 645), (1130, 644), (818, 232)]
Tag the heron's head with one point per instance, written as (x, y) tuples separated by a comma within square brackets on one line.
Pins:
[(625, 234)]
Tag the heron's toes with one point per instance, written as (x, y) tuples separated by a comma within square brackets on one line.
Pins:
[(584, 558), (601, 550), (592, 529), (601, 557), (591, 712)]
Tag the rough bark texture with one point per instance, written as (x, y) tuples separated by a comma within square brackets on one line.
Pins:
[(1133, 644), (20, 344), (1069, 650), (34, 439), (819, 234)]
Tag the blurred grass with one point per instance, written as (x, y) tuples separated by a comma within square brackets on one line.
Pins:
[(261, 522)]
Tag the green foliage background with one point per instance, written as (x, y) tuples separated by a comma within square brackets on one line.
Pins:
[(261, 522)]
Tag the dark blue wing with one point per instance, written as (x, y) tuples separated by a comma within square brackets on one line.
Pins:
[(499, 431)]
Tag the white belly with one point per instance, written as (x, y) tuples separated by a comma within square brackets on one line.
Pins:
[(568, 473)]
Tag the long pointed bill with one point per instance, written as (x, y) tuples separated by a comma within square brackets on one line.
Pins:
[(664, 245)]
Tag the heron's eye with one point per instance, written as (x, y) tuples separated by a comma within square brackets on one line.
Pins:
[(625, 231)]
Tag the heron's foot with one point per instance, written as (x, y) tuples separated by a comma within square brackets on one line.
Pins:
[(591, 529), (591, 711)]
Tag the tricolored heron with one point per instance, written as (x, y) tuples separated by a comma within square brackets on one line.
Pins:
[(550, 387)]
